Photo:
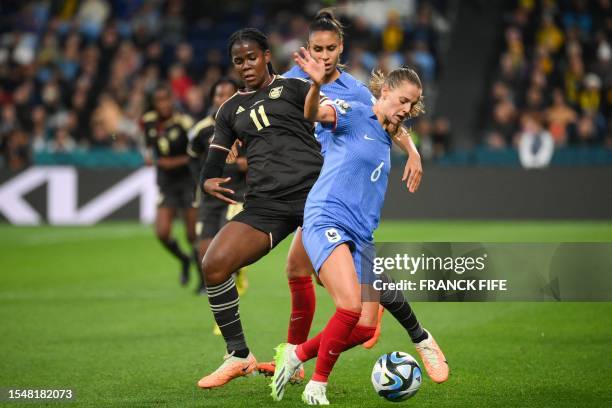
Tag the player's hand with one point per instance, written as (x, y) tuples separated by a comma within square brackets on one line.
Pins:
[(315, 69), (233, 154), (413, 172), (213, 187)]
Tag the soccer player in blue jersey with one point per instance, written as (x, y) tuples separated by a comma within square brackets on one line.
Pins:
[(325, 44), (342, 211)]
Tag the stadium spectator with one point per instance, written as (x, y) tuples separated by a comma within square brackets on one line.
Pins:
[(559, 117), (503, 125), (535, 145)]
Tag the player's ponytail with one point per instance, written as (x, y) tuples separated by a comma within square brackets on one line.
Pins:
[(326, 21), (250, 34), (393, 80)]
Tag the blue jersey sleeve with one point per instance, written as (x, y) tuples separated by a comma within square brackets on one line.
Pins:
[(346, 114)]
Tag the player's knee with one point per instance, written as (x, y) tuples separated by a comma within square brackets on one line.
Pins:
[(214, 268), (297, 268)]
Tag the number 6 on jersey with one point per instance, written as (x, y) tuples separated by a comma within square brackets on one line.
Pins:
[(376, 173)]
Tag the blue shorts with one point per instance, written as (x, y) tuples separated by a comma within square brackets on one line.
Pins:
[(321, 240)]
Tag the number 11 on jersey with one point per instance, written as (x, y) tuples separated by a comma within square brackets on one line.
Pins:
[(264, 118)]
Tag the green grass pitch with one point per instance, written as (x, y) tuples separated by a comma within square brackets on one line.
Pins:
[(100, 310)]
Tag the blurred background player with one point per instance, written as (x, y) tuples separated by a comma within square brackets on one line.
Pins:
[(214, 213), (165, 134)]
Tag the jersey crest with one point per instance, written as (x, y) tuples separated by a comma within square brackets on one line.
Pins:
[(275, 93)]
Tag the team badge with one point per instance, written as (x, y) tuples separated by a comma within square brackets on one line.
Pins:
[(343, 106), (332, 235), (152, 133), (173, 134), (275, 93)]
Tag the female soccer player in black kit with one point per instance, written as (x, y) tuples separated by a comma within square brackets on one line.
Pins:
[(165, 133), (284, 161)]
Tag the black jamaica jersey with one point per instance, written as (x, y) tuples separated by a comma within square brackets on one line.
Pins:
[(168, 138), (200, 137), (282, 153)]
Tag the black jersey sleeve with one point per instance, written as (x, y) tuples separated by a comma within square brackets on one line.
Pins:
[(224, 136)]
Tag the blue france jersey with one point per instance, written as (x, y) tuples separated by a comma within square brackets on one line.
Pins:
[(351, 187), (346, 88)]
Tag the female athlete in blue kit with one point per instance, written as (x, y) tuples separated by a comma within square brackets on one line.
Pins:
[(342, 211)]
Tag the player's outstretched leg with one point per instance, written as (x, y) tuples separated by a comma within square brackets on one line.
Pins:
[(236, 245), (287, 364), (433, 358)]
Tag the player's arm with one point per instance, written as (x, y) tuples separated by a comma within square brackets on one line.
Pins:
[(413, 170), (172, 162), (315, 109)]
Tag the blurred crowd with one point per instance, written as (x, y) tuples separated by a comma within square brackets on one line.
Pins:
[(78, 75), (553, 85)]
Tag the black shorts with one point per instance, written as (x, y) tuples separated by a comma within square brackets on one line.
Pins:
[(178, 195), (276, 218), (213, 215)]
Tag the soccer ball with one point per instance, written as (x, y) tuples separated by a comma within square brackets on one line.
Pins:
[(396, 376)]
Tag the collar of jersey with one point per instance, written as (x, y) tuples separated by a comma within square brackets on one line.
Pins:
[(250, 92)]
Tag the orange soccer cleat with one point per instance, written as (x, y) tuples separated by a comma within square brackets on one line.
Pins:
[(374, 339), (433, 359), (232, 367)]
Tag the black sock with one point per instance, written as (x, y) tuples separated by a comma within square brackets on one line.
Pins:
[(224, 301), (172, 246), (395, 302)]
